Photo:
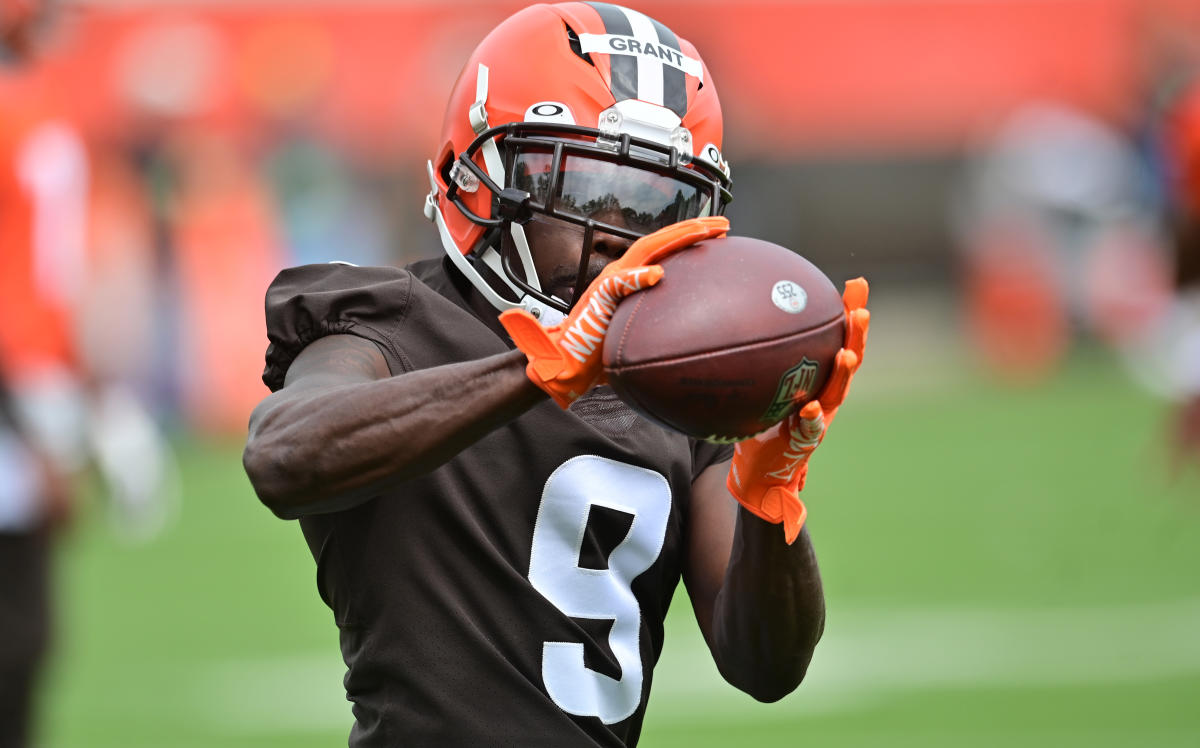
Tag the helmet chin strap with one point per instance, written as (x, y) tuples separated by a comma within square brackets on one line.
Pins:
[(544, 313), (521, 242)]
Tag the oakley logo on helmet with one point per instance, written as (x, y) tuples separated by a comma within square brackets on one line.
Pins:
[(549, 111), (712, 155)]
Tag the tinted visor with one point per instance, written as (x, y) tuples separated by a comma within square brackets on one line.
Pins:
[(628, 197)]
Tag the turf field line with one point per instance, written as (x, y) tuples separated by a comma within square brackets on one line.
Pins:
[(867, 656)]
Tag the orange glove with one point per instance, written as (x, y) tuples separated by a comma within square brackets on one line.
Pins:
[(564, 360), (768, 470)]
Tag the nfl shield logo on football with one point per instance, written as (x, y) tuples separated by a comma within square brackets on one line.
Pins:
[(796, 380)]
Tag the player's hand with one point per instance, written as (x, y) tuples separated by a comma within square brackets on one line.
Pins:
[(769, 470), (564, 360)]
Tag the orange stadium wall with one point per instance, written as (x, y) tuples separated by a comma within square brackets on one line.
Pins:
[(798, 80)]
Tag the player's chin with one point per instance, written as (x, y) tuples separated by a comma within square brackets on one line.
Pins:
[(564, 292), (562, 285)]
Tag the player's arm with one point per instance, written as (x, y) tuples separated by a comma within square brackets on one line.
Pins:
[(55, 484), (754, 585), (757, 598), (342, 429)]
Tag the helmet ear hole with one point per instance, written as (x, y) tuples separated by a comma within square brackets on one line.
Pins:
[(577, 46), (444, 169), (444, 163)]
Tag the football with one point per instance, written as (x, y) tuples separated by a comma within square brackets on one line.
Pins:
[(737, 334)]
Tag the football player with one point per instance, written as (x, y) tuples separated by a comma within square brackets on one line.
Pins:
[(1181, 155), (39, 160), (55, 414), (498, 535)]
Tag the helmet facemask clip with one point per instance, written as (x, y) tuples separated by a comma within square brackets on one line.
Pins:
[(512, 205)]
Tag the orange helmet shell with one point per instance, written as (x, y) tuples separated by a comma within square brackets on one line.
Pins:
[(556, 53)]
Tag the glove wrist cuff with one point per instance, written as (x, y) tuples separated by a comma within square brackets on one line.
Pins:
[(562, 392), (777, 504), (550, 387)]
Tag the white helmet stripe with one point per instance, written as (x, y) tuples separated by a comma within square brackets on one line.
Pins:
[(650, 69), (622, 63)]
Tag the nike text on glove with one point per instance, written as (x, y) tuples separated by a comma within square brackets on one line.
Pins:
[(768, 470), (564, 360)]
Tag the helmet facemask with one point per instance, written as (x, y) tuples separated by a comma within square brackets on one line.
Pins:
[(615, 184)]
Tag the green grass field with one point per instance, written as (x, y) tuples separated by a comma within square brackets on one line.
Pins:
[(1003, 567)]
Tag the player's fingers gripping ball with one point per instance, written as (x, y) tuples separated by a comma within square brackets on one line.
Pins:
[(564, 360), (769, 470)]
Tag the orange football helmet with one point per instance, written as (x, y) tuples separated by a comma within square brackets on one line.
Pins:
[(589, 113)]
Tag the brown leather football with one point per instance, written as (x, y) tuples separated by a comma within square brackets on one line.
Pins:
[(737, 334)]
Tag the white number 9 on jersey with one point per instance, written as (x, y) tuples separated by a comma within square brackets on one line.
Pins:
[(602, 594)]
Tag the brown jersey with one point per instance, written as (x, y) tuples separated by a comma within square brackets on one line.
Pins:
[(515, 596)]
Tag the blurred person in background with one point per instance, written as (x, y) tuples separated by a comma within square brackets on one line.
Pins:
[(35, 500), (1059, 241), (56, 415), (499, 565), (43, 182), (1174, 349)]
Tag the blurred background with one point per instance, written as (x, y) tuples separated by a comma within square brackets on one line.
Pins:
[(1008, 513)]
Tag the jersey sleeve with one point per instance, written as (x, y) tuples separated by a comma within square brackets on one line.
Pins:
[(706, 454), (309, 302)]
